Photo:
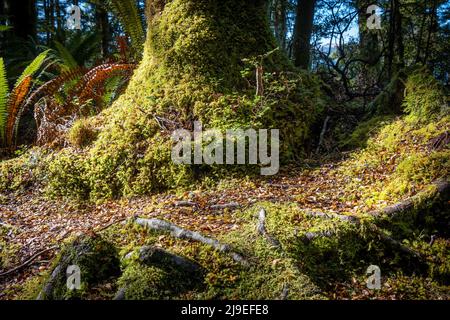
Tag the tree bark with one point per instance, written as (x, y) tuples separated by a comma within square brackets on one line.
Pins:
[(303, 32), (101, 17), (23, 18)]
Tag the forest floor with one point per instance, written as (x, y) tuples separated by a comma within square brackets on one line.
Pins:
[(33, 223)]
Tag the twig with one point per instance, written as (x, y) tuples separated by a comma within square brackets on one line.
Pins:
[(28, 262)]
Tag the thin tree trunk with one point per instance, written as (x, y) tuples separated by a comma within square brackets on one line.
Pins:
[(430, 31), (23, 18), (302, 34), (104, 29)]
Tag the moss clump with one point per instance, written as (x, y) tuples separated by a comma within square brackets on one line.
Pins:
[(82, 134), (66, 175), (418, 169), (365, 130), (424, 99), (8, 252), (22, 172), (97, 260)]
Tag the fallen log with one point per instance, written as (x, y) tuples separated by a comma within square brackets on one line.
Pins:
[(261, 229), (180, 233)]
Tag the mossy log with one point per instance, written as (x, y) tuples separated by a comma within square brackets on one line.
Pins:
[(180, 233)]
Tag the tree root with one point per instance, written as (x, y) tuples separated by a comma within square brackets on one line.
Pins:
[(186, 204), (356, 221), (153, 256), (442, 189), (261, 228), (180, 233), (28, 262)]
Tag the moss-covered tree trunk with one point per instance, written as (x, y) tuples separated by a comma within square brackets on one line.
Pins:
[(204, 42), (199, 64)]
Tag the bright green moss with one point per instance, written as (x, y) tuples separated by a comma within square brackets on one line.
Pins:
[(82, 134), (199, 65), (364, 131), (424, 98)]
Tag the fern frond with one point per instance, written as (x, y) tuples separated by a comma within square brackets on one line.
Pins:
[(93, 83), (3, 99), (51, 87), (127, 12), (67, 58), (33, 67), (18, 96)]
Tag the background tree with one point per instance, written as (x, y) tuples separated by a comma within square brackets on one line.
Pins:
[(303, 32)]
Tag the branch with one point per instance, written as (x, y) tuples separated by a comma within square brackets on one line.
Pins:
[(28, 262)]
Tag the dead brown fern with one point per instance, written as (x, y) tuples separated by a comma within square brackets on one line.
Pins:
[(15, 103), (54, 118)]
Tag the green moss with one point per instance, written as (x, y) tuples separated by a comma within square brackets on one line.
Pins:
[(97, 260), (82, 134), (364, 131), (421, 168), (424, 99), (8, 252), (23, 172)]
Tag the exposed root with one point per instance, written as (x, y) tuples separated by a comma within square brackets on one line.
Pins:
[(186, 204), (152, 256), (442, 189), (261, 228), (180, 233), (28, 262), (356, 221)]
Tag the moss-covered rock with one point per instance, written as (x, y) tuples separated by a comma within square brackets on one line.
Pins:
[(96, 259)]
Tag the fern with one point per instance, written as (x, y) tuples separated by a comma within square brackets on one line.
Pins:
[(18, 96), (93, 83), (67, 58), (33, 67), (3, 99), (129, 17)]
